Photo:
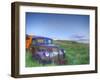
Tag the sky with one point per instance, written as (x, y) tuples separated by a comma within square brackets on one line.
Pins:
[(58, 26)]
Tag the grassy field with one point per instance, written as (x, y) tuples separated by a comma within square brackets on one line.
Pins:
[(76, 54)]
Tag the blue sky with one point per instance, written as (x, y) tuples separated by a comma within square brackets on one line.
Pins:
[(58, 26)]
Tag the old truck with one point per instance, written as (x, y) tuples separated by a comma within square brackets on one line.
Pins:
[(46, 52)]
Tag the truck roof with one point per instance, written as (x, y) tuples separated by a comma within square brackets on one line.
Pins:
[(40, 37)]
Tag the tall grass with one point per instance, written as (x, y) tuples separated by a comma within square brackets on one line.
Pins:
[(76, 54)]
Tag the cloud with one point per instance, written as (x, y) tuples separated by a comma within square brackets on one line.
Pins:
[(80, 38), (83, 40), (77, 36)]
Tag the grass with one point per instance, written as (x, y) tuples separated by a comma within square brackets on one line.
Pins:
[(76, 54), (29, 61)]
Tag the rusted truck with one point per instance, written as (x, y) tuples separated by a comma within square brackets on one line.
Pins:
[(45, 51)]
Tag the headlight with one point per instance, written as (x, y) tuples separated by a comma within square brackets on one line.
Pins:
[(46, 54)]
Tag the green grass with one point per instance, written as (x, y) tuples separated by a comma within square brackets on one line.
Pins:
[(29, 61), (76, 54)]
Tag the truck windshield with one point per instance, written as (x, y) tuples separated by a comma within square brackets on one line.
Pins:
[(40, 40), (44, 41), (49, 41)]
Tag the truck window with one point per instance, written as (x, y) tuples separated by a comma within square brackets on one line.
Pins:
[(40, 40), (33, 42), (49, 41)]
